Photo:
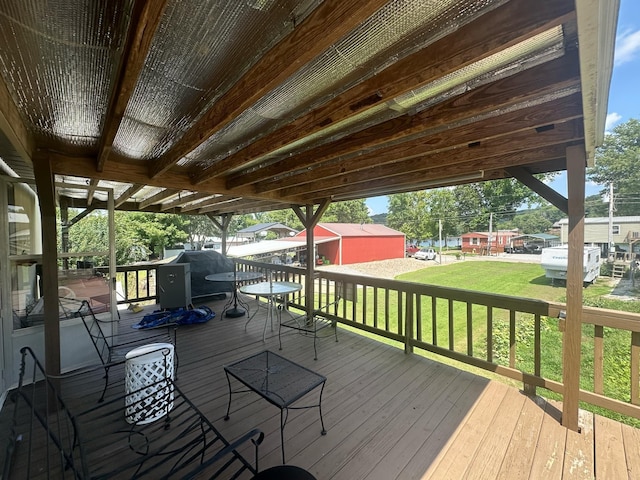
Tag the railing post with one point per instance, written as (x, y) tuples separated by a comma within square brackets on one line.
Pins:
[(408, 323), (576, 166)]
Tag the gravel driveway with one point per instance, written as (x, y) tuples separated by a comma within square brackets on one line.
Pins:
[(396, 266)]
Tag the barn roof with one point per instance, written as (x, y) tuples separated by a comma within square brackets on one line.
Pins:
[(246, 106), (360, 230)]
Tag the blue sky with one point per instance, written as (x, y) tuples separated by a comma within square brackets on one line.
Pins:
[(624, 96)]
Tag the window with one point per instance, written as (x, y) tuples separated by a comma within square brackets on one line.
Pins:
[(615, 229), (475, 241)]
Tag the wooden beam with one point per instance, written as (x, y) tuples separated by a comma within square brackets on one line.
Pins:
[(145, 20), (501, 152), (213, 200), (158, 197), (82, 214), (545, 191), (46, 195), (223, 226), (127, 194), (186, 198), (309, 220), (509, 24), (518, 125), (572, 338), (529, 85), (327, 24), (91, 191)]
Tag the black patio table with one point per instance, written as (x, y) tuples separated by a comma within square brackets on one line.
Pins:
[(236, 278), (279, 381)]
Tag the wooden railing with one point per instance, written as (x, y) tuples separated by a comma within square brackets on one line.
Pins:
[(484, 330), (138, 282)]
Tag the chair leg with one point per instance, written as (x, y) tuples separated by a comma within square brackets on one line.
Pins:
[(106, 383)]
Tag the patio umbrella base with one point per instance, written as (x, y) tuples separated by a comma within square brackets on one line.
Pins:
[(234, 312)]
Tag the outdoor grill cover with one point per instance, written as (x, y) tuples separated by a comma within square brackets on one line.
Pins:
[(203, 263)]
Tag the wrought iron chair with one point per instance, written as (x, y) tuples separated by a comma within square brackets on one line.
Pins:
[(112, 348), (99, 443)]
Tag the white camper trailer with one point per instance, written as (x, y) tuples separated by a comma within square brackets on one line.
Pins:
[(554, 261)]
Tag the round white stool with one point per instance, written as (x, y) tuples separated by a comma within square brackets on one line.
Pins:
[(149, 397)]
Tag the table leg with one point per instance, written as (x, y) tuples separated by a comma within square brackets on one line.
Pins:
[(283, 420), (234, 312), (226, 417)]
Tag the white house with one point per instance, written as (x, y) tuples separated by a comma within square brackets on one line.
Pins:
[(596, 232)]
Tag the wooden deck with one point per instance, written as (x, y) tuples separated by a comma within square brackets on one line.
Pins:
[(390, 415)]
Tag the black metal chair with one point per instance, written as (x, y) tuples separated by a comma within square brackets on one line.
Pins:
[(99, 443), (113, 348)]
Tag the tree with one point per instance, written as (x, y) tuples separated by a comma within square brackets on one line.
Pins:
[(617, 162), (408, 213), (476, 201), (532, 222), (351, 211)]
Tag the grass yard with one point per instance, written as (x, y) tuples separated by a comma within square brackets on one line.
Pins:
[(527, 280)]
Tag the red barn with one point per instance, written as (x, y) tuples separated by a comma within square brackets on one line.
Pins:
[(345, 243)]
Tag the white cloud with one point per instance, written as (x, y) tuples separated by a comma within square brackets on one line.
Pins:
[(627, 47), (612, 119)]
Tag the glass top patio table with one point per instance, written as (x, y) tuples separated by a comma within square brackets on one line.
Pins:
[(279, 381)]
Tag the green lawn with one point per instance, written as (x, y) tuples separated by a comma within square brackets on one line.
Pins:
[(528, 280)]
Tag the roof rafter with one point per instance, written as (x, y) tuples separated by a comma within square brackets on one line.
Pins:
[(327, 24), (557, 110), (146, 18), (509, 24), (559, 74), (429, 177), (128, 193)]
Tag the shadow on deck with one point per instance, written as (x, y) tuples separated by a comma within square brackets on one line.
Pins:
[(388, 415)]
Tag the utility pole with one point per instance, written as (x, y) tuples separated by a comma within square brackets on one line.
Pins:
[(440, 238), (490, 232), (611, 252)]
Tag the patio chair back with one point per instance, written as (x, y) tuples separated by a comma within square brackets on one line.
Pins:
[(94, 329), (45, 408), (64, 439)]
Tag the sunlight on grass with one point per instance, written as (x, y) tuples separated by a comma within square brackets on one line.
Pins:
[(528, 281)]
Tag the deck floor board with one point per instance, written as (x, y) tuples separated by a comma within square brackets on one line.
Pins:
[(388, 415)]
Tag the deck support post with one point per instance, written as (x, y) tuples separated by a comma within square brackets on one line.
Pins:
[(309, 220), (576, 168), (45, 183), (223, 226)]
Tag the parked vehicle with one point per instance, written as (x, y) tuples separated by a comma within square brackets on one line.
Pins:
[(425, 254), (411, 250), (554, 261)]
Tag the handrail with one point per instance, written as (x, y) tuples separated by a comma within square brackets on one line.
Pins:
[(426, 317)]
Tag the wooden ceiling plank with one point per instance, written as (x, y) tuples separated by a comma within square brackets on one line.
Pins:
[(130, 192), (509, 24), (327, 24), (527, 85), (555, 111), (208, 202), (145, 22)]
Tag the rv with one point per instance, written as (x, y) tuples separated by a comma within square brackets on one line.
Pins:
[(554, 261)]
